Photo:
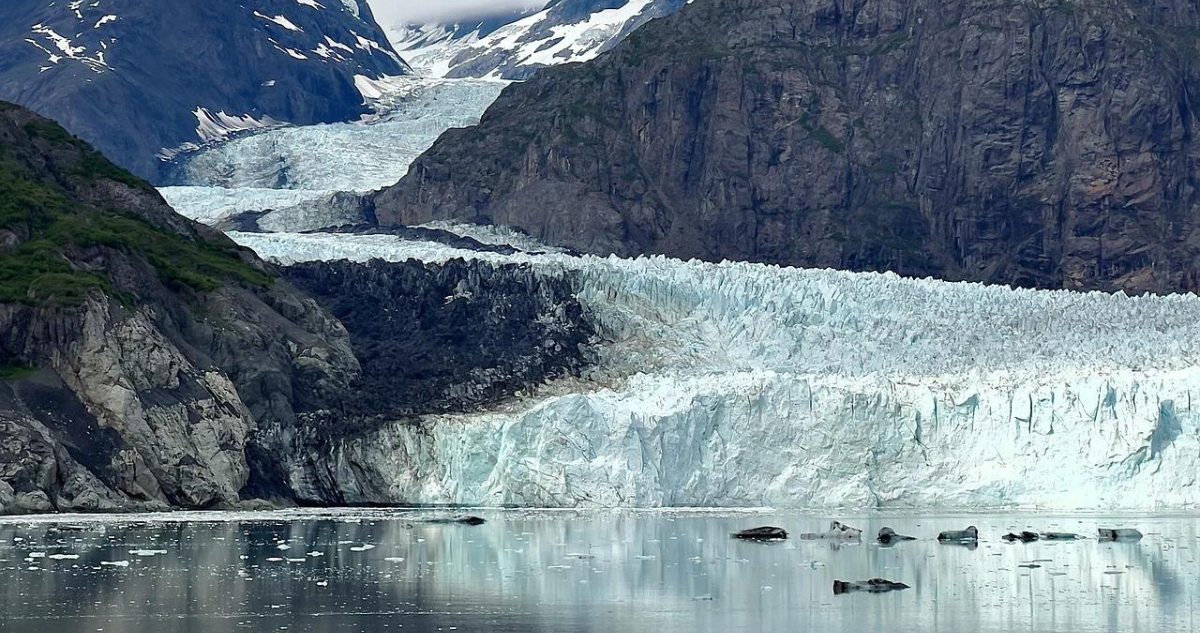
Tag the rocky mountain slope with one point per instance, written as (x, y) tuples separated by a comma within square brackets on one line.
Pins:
[(1047, 144), (144, 359), (147, 362), (144, 79), (518, 44)]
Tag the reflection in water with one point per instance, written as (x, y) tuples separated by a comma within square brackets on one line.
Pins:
[(587, 571)]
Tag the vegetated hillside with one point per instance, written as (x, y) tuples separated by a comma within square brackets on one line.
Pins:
[(146, 361)]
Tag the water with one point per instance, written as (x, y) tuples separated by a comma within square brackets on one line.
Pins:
[(570, 571)]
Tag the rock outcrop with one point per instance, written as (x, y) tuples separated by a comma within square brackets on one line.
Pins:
[(145, 360), (434, 339), (1029, 142)]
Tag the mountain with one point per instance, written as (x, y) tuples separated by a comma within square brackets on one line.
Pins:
[(515, 45), (147, 362), (141, 80), (414, 40), (1045, 144)]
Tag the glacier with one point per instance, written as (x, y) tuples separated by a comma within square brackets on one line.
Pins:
[(296, 171), (745, 385)]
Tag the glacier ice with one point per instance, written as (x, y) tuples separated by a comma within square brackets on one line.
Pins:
[(306, 165), (739, 384)]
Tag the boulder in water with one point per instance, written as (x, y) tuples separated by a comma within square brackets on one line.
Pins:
[(765, 533), (969, 535), (888, 536), (837, 530)]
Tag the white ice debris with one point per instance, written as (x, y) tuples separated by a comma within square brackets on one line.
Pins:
[(749, 385)]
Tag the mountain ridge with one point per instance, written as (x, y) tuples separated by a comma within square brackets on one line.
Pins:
[(142, 81), (1034, 145)]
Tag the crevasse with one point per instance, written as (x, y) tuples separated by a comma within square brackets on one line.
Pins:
[(746, 385)]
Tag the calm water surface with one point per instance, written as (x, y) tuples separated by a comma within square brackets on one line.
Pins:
[(663, 572)]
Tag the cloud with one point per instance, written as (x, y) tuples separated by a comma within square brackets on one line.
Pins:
[(402, 11)]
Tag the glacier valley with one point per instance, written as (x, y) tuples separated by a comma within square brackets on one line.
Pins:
[(739, 384), (298, 176)]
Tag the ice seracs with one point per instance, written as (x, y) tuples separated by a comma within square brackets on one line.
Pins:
[(296, 172), (739, 384)]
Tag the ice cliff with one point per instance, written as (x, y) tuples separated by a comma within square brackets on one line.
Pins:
[(740, 384)]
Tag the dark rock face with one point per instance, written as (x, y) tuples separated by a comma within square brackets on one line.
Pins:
[(1041, 144), (136, 78), (451, 337), (142, 356)]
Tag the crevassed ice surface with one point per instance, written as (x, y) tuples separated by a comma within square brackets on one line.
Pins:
[(742, 384), (310, 163)]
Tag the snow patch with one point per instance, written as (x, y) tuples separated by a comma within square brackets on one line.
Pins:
[(280, 20), (217, 126)]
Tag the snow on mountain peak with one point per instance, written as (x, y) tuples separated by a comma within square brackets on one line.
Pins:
[(516, 46)]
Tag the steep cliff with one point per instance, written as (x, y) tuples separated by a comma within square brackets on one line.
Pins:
[(145, 361), (1045, 143), (449, 338)]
